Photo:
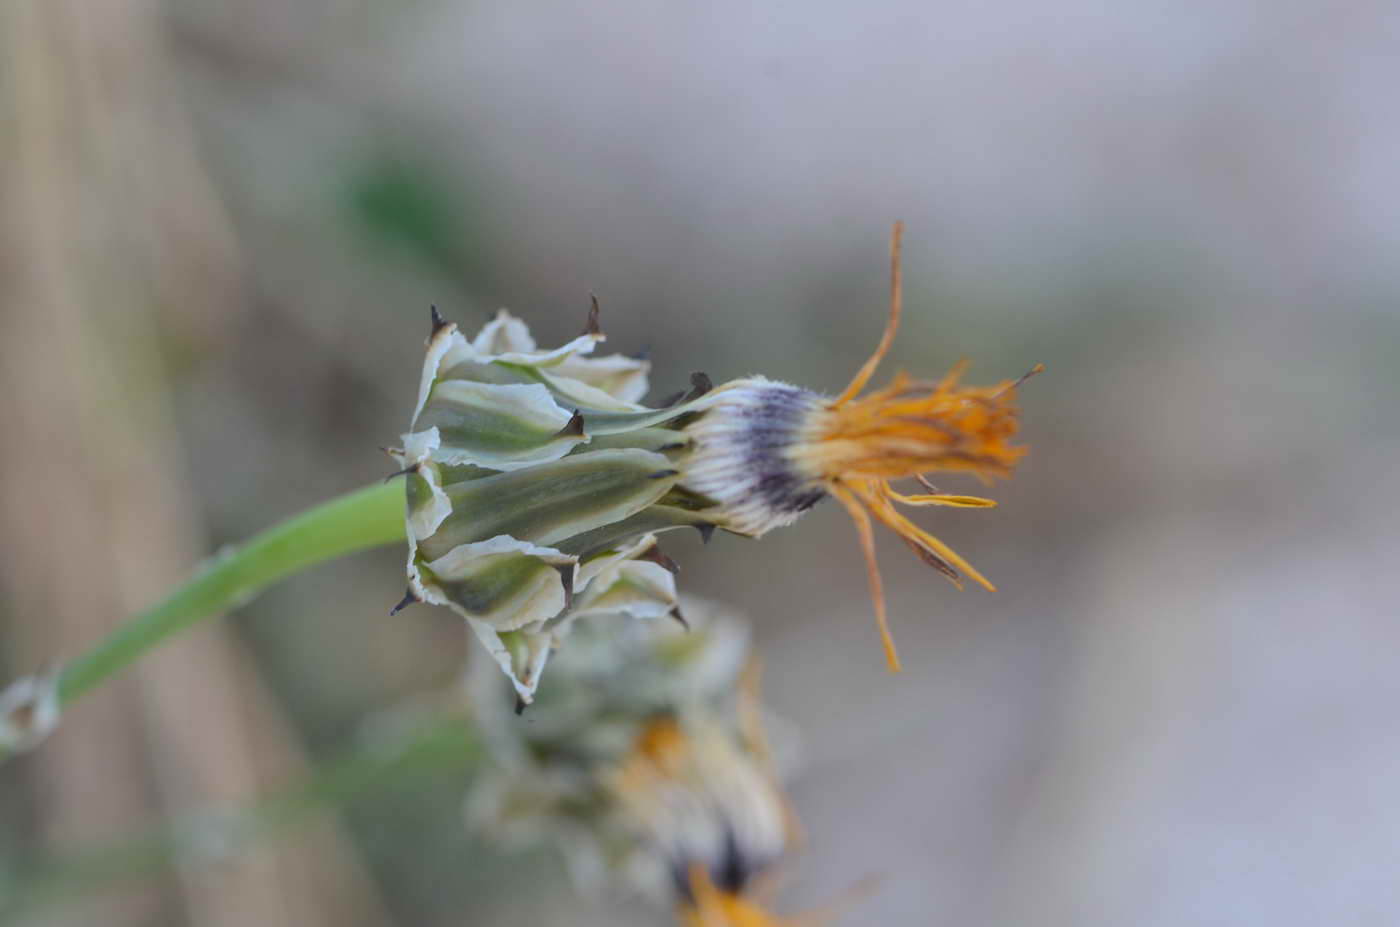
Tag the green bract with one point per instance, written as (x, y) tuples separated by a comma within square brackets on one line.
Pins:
[(535, 485)]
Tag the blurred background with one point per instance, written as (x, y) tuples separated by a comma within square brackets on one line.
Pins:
[(220, 229)]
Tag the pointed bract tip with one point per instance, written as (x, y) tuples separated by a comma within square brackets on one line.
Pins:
[(439, 323), (566, 576), (662, 474), (520, 704), (700, 384), (410, 598), (707, 531), (656, 555), (412, 468), (574, 427), (592, 327), (676, 614)]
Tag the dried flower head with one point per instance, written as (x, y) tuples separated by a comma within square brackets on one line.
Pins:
[(646, 762), (689, 789), (768, 451), (536, 481)]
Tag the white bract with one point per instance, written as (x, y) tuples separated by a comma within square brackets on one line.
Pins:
[(535, 485)]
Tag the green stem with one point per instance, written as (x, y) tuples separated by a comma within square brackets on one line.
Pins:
[(356, 521)]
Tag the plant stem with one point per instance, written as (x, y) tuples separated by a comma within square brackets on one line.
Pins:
[(356, 521)]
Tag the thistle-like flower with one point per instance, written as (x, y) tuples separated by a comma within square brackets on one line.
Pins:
[(537, 481), (647, 763)]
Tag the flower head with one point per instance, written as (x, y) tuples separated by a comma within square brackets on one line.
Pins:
[(647, 762), (768, 451), (536, 480), (535, 484), (699, 795)]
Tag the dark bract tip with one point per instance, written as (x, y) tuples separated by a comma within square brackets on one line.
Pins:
[(574, 427), (566, 573), (413, 468), (409, 599), (700, 384), (439, 323), (592, 327), (656, 555)]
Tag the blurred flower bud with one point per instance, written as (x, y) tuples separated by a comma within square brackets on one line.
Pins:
[(645, 761), (29, 712)]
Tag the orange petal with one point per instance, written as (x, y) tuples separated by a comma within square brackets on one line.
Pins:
[(962, 502), (867, 371), (884, 510), (872, 569)]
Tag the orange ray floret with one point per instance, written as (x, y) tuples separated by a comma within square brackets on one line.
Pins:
[(867, 370), (857, 444), (872, 568), (711, 906), (714, 907)]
